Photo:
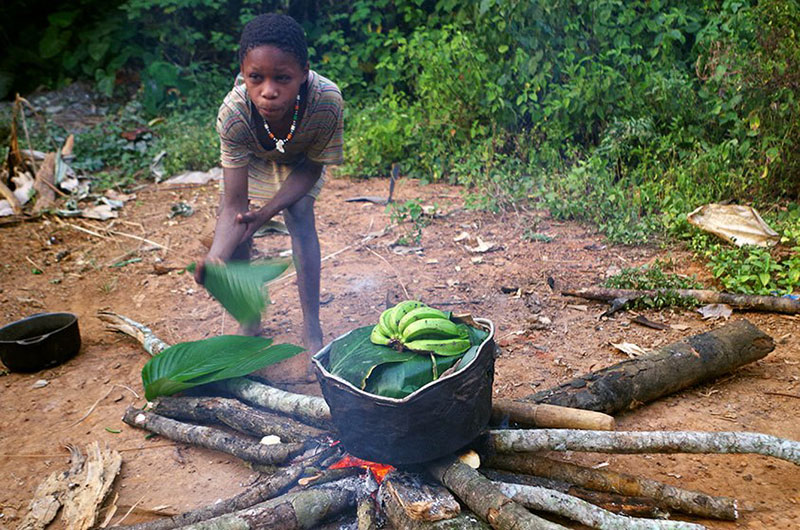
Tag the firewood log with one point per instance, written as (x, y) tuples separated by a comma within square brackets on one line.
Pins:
[(211, 438), (773, 304), (548, 416), (665, 495), (613, 502), (299, 510), (552, 501), (274, 485), (485, 499), (236, 415), (621, 442), (666, 370), (419, 498), (400, 520)]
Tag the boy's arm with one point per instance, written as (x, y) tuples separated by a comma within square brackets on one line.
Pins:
[(228, 232), (295, 187)]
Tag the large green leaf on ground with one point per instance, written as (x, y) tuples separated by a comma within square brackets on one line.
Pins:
[(189, 364), (239, 286)]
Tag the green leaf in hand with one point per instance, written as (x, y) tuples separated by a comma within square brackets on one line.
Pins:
[(189, 364), (239, 286)]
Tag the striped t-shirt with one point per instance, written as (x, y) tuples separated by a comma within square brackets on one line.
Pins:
[(318, 137)]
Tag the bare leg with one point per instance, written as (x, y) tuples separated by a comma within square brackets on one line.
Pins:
[(306, 255), (305, 252)]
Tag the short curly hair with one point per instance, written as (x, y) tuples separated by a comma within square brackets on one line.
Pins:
[(272, 29)]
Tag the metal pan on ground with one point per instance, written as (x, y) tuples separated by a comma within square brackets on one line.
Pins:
[(39, 341)]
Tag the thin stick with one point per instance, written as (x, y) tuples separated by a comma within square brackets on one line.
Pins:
[(129, 511), (81, 229), (397, 274), (91, 409), (25, 128), (45, 455), (365, 239), (34, 263), (782, 394)]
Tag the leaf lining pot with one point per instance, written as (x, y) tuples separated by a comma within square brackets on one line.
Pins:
[(436, 420)]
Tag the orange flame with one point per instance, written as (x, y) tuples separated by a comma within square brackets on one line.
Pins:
[(379, 471)]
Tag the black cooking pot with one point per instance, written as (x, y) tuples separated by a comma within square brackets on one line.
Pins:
[(39, 341), (436, 420)]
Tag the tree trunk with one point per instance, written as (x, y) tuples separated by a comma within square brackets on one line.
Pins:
[(613, 502), (546, 500), (620, 442), (235, 415), (669, 369), (485, 499), (666, 496), (505, 411), (774, 304), (210, 438), (299, 510)]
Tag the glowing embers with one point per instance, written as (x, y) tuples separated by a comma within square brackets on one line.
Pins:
[(379, 471)]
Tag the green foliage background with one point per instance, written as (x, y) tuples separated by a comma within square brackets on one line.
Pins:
[(627, 114)]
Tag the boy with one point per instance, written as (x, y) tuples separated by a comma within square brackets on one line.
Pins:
[(279, 127)]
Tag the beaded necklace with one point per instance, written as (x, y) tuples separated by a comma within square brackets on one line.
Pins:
[(280, 143)]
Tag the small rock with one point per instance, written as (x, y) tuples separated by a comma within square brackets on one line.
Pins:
[(41, 383)]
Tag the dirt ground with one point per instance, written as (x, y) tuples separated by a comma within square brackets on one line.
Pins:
[(84, 399)]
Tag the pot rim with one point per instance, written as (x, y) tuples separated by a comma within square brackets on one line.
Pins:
[(73, 318), (317, 360)]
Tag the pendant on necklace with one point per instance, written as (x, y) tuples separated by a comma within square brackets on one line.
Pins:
[(279, 146)]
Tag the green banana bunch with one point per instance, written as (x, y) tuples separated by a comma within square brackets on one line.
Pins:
[(414, 326)]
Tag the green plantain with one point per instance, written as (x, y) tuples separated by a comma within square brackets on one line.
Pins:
[(418, 314), (401, 309), (431, 328), (446, 347)]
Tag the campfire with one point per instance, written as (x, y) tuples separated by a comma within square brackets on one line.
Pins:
[(506, 478)]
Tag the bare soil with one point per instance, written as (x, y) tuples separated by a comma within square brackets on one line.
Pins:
[(84, 399)]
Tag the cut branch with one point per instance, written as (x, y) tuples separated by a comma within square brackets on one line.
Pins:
[(266, 489), (210, 438), (774, 304), (620, 442), (308, 409), (549, 416), (236, 415), (546, 500), (665, 495), (666, 370), (485, 499), (292, 511), (613, 502)]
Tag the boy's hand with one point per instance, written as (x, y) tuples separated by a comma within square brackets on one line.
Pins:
[(200, 269), (253, 220)]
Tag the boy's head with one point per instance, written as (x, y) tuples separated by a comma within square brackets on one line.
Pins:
[(271, 29)]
